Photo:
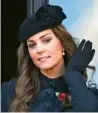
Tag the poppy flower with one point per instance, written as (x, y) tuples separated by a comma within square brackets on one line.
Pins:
[(62, 96)]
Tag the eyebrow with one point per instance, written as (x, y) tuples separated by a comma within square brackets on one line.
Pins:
[(40, 37)]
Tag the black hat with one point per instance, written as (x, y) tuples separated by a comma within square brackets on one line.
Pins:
[(47, 16)]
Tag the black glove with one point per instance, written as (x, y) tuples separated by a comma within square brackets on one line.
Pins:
[(82, 57)]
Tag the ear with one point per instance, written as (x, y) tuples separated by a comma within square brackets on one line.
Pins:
[(63, 52)]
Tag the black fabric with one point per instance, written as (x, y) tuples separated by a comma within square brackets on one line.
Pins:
[(84, 99), (82, 57), (47, 16), (57, 84)]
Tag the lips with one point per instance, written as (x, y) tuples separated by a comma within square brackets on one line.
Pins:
[(43, 58)]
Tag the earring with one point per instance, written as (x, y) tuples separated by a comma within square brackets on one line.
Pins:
[(63, 52)]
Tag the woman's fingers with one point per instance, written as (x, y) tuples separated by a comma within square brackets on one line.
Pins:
[(92, 53), (85, 45), (88, 46), (81, 45)]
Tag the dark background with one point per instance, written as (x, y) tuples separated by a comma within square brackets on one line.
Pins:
[(13, 12)]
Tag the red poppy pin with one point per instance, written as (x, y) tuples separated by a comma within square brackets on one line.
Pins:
[(64, 98)]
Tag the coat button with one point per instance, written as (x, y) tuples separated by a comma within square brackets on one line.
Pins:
[(50, 93), (51, 83), (48, 106)]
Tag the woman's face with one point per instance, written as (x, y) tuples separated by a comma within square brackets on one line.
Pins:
[(45, 49)]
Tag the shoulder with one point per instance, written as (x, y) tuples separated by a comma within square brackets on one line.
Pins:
[(7, 93), (9, 85), (8, 90)]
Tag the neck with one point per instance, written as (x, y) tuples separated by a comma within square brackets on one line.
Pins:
[(56, 71)]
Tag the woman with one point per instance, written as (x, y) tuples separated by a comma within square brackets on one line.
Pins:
[(51, 68)]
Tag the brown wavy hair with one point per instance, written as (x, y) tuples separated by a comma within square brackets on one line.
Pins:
[(28, 82)]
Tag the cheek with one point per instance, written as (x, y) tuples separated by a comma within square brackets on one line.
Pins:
[(32, 55), (57, 49)]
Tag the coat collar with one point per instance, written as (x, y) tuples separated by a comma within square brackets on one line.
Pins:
[(58, 84)]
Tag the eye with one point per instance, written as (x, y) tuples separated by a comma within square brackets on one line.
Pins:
[(46, 40), (31, 45)]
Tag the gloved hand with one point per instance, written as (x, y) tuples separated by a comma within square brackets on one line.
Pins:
[(82, 57)]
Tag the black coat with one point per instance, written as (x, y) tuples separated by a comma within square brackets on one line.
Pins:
[(82, 98)]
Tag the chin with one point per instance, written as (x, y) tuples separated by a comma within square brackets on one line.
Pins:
[(46, 67)]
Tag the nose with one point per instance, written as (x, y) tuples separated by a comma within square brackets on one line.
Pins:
[(40, 49)]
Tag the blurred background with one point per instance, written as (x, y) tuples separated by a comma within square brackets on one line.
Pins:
[(12, 14), (82, 23)]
